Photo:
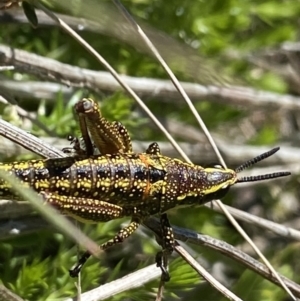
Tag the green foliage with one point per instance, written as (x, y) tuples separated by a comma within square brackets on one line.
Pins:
[(60, 120), (267, 135), (36, 266), (119, 107), (250, 286)]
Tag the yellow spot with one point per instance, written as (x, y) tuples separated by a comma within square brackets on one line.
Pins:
[(182, 197)]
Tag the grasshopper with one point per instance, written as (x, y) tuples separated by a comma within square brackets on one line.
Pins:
[(121, 183)]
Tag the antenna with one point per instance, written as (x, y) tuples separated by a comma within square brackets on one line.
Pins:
[(260, 177), (263, 177)]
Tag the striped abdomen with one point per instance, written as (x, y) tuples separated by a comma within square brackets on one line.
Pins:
[(32, 173), (119, 179)]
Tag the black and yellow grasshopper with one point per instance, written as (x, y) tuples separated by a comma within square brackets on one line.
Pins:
[(120, 183)]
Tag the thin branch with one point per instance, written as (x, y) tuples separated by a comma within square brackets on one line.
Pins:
[(68, 75), (7, 295), (276, 228), (130, 281), (227, 250), (207, 276), (28, 141)]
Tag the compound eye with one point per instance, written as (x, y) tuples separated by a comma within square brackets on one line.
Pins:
[(215, 177)]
